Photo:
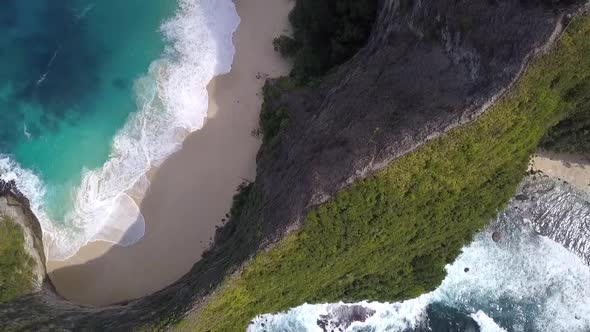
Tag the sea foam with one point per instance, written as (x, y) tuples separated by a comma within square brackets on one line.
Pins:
[(524, 283), (172, 101)]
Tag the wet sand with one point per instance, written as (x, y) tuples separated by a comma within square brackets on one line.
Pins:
[(192, 191), (572, 168)]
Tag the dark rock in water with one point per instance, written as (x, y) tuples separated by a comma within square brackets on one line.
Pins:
[(557, 210), (497, 236), (8, 189), (343, 316), (450, 77), (466, 270)]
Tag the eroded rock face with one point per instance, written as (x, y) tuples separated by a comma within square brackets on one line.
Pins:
[(429, 66), (16, 207), (555, 209)]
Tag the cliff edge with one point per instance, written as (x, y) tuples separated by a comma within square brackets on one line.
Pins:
[(22, 260)]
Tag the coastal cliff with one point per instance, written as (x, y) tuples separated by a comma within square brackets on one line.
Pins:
[(22, 260), (427, 68)]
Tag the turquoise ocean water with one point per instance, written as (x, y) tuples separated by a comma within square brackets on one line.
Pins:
[(67, 71), (94, 92)]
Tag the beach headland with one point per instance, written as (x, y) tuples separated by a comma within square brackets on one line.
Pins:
[(192, 191)]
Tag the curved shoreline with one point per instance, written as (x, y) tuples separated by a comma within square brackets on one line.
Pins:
[(192, 190)]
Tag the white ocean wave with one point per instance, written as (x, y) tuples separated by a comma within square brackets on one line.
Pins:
[(486, 324), (524, 283), (172, 101)]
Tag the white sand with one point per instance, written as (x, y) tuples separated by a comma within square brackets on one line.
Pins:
[(574, 169), (193, 190)]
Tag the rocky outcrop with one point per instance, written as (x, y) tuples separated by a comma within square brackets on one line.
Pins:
[(15, 206), (429, 66), (343, 316), (555, 209)]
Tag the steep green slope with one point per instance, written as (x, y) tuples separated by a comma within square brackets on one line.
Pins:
[(570, 135), (16, 266), (389, 236)]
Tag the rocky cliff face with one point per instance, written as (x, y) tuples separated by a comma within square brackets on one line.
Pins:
[(429, 66), (15, 207), (555, 209)]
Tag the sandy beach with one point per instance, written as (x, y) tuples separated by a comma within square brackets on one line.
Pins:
[(574, 169), (192, 191)]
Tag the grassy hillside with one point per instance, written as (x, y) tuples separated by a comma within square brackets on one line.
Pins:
[(388, 237), (16, 266)]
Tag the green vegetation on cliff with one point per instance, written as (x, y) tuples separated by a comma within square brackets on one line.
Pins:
[(572, 134), (272, 120), (389, 236), (16, 266), (325, 34)]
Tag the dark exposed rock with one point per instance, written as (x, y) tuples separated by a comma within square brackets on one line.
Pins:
[(556, 210), (341, 317), (497, 236), (9, 189), (429, 66)]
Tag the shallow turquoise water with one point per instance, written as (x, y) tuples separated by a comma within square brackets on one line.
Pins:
[(67, 70)]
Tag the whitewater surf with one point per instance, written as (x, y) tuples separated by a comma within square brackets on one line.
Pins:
[(155, 108)]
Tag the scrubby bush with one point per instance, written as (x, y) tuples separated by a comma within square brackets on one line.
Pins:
[(273, 118), (286, 46), (325, 34)]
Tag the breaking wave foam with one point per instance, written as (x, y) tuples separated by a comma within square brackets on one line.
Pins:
[(172, 101), (525, 282)]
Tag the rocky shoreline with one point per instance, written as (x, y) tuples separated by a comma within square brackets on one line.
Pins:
[(557, 210), (9, 189)]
